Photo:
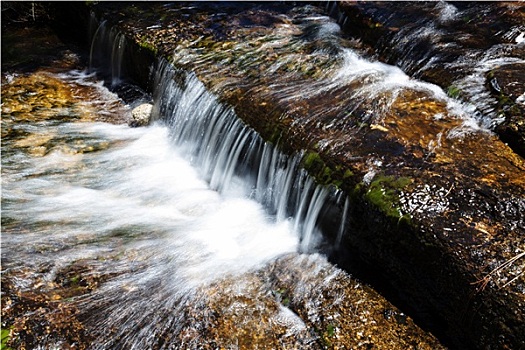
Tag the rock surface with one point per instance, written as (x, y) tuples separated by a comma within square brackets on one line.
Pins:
[(141, 115)]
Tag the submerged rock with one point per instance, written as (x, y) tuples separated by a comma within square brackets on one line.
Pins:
[(297, 301), (47, 98), (141, 115)]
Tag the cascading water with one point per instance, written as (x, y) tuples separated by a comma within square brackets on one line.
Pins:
[(107, 49), (158, 235), (443, 36), (228, 152), (128, 198)]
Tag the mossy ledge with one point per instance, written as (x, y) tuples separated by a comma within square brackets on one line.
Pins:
[(464, 219)]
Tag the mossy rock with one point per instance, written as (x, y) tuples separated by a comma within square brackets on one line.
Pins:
[(383, 192), (323, 173)]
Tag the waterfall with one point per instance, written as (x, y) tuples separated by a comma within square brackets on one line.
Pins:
[(228, 151), (107, 49), (224, 149)]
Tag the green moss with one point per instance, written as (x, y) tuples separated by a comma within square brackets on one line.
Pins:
[(312, 158), (348, 174), (326, 335), (330, 330), (323, 173), (507, 106), (146, 44), (74, 280), (274, 135), (453, 91), (383, 193), (6, 336), (283, 296), (314, 164), (375, 25)]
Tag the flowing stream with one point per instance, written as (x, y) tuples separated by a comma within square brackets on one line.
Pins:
[(127, 202), (133, 227), (433, 36), (156, 231)]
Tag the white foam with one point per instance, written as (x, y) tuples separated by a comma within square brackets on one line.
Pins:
[(447, 12), (141, 188)]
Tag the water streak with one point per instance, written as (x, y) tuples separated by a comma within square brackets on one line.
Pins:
[(107, 49)]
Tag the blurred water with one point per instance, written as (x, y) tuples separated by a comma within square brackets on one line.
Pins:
[(80, 205), (125, 202)]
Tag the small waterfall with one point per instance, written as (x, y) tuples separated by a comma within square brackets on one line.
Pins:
[(315, 205), (107, 49), (228, 152), (117, 55), (342, 227)]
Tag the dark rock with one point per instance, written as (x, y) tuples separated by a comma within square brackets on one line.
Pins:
[(507, 84)]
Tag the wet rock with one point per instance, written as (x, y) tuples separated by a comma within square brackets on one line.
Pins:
[(436, 201), (46, 98), (342, 312), (454, 45), (34, 90), (302, 301), (39, 315), (247, 315), (509, 80), (507, 84), (141, 115), (47, 311)]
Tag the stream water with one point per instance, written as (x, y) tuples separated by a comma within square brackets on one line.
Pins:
[(126, 202), (183, 234)]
